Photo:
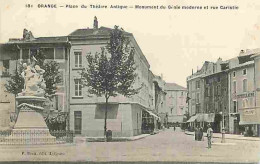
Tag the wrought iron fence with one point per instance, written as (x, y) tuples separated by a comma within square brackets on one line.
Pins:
[(24, 137), (62, 135)]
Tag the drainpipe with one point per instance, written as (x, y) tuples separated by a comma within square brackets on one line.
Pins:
[(258, 133), (68, 96), (229, 100)]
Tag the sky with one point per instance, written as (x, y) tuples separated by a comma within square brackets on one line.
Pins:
[(173, 41)]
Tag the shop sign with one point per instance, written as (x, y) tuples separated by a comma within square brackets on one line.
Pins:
[(245, 95), (249, 112)]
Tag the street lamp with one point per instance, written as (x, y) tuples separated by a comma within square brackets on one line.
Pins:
[(223, 128)]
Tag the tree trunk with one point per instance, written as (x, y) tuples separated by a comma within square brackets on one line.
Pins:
[(105, 124)]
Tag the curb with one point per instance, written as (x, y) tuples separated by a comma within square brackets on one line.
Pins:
[(115, 139), (245, 139)]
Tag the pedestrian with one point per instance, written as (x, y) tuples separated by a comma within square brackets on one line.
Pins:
[(209, 135), (201, 134), (174, 127), (196, 133)]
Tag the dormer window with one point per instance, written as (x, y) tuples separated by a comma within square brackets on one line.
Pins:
[(244, 71)]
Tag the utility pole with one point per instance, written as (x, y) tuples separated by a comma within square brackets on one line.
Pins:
[(223, 128)]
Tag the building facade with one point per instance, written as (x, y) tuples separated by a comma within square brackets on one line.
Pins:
[(176, 103), (126, 116), (230, 94), (18, 51)]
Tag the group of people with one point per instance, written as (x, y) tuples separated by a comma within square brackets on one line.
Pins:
[(199, 134)]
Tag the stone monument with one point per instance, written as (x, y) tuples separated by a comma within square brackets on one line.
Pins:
[(30, 127)]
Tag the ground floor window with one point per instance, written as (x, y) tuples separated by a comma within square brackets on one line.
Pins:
[(77, 122)]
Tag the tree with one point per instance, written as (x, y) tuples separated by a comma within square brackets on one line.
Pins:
[(16, 83), (51, 76), (112, 71)]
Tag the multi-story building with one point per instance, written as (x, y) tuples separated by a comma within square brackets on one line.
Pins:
[(216, 95), (176, 102), (243, 96), (18, 51), (207, 95), (87, 110), (194, 86)]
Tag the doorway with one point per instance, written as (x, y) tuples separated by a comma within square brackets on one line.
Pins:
[(78, 122)]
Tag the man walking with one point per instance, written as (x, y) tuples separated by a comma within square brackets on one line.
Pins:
[(209, 135)]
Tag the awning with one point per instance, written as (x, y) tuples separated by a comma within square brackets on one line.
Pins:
[(152, 114), (193, 118), (203, 118), (200, 117)]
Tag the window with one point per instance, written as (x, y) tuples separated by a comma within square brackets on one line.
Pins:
[(244, 71), (197, 84), (59, 53), (207, 81), (218, 79), (235, 106), (6, 66), (206, 92), (198, 98), (234, 86), (78, 59), (78, 87), (62, 75), (219, 90), (25, 54), (197, 108), (48, 52), (245, 103), (207, 108), (234, 74), (56, 102), (245, 85)]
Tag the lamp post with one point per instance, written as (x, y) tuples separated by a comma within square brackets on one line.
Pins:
[(223, 128)]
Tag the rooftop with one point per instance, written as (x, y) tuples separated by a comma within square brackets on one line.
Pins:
[(102, 31), (57, 39), (174, 86)]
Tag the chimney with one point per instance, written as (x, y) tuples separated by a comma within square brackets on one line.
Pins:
[(192, 71), (95, 26)]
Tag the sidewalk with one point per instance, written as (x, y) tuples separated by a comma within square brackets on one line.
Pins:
[(228, 136)]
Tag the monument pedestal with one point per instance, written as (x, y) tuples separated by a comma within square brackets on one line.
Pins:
[(30, 127)]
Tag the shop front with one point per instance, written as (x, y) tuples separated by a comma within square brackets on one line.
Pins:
[(150, 122), (250, 120)]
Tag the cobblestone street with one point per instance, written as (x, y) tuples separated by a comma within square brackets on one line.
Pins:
[(168, 145)]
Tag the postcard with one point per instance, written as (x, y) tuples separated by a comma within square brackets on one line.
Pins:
[(130, 81)]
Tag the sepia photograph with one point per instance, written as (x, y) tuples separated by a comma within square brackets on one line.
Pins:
[(120, 81)]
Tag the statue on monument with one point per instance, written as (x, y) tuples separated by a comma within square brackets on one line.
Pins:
[(34, 83)]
